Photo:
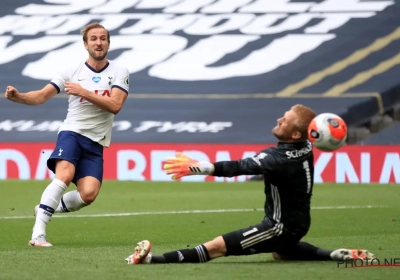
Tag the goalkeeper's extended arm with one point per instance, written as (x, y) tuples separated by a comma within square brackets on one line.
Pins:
[(185, 166), (235, 168), (262, 163)]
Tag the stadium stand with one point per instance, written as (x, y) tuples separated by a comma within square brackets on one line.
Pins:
[(385, 129), (242, 120), (222, 74), (388, 136)]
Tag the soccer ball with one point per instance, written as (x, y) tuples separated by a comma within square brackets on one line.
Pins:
[(327, 132)]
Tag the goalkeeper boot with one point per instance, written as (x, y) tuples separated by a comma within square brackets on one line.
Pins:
[(142, 253), (351, 254)]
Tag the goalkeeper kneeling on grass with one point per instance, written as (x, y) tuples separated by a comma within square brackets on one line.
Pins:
[(288, 171)]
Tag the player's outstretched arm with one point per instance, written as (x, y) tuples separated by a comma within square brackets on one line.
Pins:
[(182, 165), (31, 98)]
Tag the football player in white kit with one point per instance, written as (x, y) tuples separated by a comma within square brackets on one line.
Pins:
[(97, 90)]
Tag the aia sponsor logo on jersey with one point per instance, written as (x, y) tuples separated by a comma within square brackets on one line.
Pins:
[(98, 92)]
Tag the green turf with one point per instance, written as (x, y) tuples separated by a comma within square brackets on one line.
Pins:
[(95, 247)]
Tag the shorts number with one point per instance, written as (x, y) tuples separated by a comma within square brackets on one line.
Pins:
[(306, 167)]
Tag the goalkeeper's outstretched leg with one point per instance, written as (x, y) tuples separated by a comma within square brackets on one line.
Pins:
[(200, 254), (261, 238)]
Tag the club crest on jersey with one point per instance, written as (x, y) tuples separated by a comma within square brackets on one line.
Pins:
[(96, 79)]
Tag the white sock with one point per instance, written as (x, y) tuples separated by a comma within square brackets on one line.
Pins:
[(49, 201), (70, 202)]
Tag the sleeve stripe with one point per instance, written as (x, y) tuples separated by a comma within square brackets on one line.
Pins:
[(121, 88), (56, 86)]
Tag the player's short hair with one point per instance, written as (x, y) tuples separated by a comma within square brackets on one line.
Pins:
[(305, 116), (91, 26)]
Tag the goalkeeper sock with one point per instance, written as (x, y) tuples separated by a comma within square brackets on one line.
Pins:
[(199, 254), (306, 252)]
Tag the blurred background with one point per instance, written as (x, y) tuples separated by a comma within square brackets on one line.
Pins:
[(210, 77)]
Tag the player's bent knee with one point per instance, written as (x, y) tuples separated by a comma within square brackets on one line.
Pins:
[(88, 195), (88, 188), (216, 248)]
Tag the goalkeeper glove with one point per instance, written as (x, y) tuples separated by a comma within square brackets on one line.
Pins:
[(183, 165)]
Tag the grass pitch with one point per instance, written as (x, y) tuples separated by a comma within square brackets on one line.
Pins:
[(92, 243)]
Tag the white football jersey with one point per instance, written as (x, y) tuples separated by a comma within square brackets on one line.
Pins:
[(83, 117)]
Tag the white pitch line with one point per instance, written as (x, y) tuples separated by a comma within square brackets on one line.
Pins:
[(186, 212)]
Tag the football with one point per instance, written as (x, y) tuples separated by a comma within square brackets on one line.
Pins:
[(327, 132)]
